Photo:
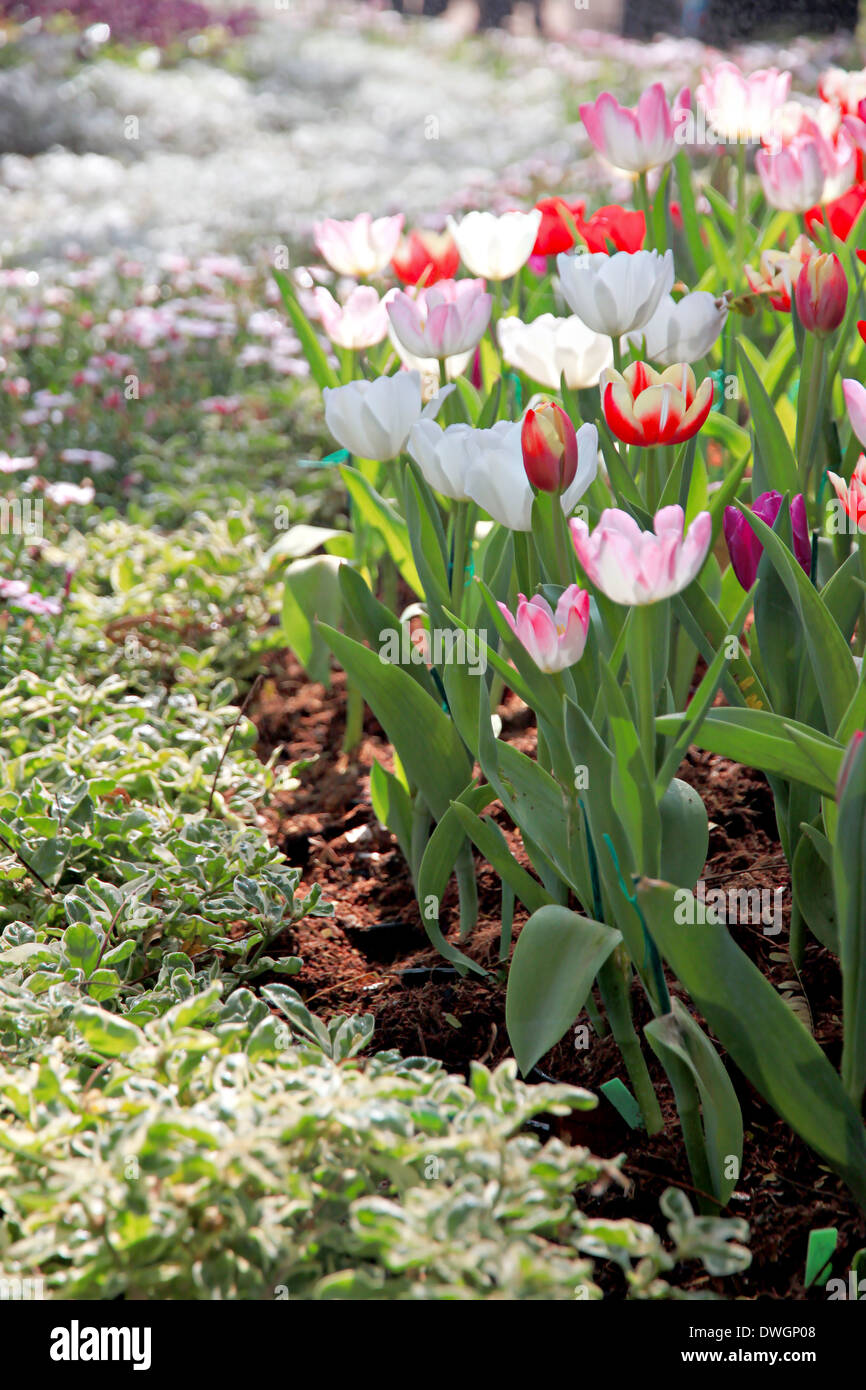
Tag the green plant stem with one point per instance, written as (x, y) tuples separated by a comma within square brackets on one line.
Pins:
[(797, 938), (562, 545), (650, 478), (642, 198), (458, 556), (617, 1002), (740, 242), (354, 719), (812, 414), (689, 1111), (420, 830), (467, 887), (640, 657)]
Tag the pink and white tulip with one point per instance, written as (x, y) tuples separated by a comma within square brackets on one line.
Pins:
[(636, 138), (360, 247), (743, 107), (844, 90), (359, 323), (809, 170), (631, 566), (855, 400), (442, 321), (554, 640)]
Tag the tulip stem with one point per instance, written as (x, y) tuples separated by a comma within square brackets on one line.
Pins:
[(458, 556), (562, 542), (613, 980), (354, 718), (643, 199), (811, 418), (640, 660), (741, 205)]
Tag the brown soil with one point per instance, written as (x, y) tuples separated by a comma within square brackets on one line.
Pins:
[(357, 962)]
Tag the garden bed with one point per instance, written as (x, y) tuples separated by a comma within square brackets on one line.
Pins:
[(372, 956)]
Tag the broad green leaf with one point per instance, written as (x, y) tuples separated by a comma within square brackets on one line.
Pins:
[(557, 957), (312, 590), (385, 519), (758, 738), (105, 1033), (830, 654), (81, 945), (487, 838), (676, 1037), (764, 1037), (429, 746), (775, 467), (849, 879), (392, 806), (436, 868), (685, 834), (323, 372)]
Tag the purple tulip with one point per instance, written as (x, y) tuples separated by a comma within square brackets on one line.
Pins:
[(744, 547)]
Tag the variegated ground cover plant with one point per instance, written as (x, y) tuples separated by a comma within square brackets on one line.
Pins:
[(171, 1126), (615, 459)]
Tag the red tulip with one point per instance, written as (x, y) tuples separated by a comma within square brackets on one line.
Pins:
[(841, 213), (646, 407), (549, 446), (626, 230), (558, 219), (426, 256)]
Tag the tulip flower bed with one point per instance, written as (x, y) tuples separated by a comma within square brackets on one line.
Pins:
[(485, 796), (607, 471)]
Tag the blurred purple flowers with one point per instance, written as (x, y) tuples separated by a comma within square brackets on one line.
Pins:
[(158, 22)]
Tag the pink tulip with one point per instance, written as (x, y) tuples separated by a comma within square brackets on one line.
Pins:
[(359, 323), (635, 138), (446, 319), (843, 90), (821, 294), (361, 247), (555, 641), (855, 400), (743, 107), (632, 566), (808, 170)]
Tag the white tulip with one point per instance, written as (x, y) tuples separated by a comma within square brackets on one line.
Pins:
[(615, 294), (495, 247), (681, 330), (549, 347), (486, 466), (372, 419)]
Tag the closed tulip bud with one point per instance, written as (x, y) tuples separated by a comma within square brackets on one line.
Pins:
[(821, 294), (743, 545), (549, 446)]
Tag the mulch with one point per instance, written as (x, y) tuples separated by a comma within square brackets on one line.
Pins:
[(373, 957)]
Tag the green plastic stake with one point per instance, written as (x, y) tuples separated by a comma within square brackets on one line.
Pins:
[(622, 1100), (821, 1249)]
